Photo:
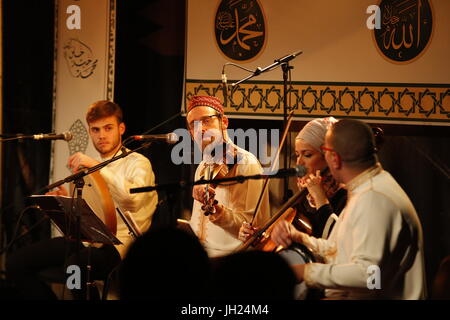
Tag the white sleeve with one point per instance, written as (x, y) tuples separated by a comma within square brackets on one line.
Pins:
[(368, 236), (137, 172)]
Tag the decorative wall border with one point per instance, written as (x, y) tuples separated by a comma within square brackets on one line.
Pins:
[(389, 102), (55, 63), (111, 50)]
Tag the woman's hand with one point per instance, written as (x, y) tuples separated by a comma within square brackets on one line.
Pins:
[(315, 189)]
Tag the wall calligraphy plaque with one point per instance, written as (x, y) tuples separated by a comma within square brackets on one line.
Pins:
[(240, 29), (406, 29), (341, 72)]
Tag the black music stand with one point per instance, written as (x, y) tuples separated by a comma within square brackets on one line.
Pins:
[(64, 213)]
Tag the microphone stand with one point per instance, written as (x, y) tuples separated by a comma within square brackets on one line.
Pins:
[(286, 68), (19, 136), (240, 179), (78, 179), (275, 64), (284, 63), (90, 170)]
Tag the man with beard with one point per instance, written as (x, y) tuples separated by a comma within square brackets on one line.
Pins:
[(218, 213), (106, 128)]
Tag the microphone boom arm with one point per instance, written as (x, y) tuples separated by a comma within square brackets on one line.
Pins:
[(276, 63), (240, 179), (87, 171)]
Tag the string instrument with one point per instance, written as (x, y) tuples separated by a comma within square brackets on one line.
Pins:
[(215, 171), (261, 240), (98, 197), (208, 208)]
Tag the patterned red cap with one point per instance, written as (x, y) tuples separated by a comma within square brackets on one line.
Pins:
[(205, 101)]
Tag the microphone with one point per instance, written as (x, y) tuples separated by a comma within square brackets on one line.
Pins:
[(170, 138), (289, 57), (224, 87), (298, 171), (53, 136)]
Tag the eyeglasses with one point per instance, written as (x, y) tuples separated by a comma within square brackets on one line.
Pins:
[(206, 121), (327, 149)]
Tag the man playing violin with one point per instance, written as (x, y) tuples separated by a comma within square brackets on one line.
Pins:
[(219, 210), (106, 128)]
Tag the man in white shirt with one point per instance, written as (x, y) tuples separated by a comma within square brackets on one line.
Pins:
[(234, 203), (375, 250), (106, 128)]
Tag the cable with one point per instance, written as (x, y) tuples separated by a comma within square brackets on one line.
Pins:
[(127, 140), (14, 237), (235, 65), (11, 139)]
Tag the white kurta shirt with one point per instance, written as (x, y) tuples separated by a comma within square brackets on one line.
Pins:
[(122, 175), (220, 236), (378, 227)]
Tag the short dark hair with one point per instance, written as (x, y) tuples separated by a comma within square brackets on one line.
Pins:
[(354, 141), (102, 109)]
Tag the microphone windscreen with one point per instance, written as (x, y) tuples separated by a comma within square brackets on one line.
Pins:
[(301, 171), (68, 136), (172, 138)]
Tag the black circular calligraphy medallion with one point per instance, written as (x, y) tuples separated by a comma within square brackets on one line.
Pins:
[(240, 29), (406, 27)]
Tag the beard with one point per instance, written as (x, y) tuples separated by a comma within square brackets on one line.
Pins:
[(106, 149)]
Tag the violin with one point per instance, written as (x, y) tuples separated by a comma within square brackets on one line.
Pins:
[(261, 240), (215, 171), (209, 207)]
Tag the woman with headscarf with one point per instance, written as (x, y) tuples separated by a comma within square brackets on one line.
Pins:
[(325, 197)]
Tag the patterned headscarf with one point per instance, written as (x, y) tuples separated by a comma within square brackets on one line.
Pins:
[(314, 131), (205, 101)]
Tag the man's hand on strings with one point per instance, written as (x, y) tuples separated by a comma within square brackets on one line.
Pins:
[(199, 193), (283, 234), (79, 160)]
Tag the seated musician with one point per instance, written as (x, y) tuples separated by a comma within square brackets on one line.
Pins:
[(106, 128), (229, 204), (325, 196), (375, 250)]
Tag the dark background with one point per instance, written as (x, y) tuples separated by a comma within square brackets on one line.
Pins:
[(149, 79)]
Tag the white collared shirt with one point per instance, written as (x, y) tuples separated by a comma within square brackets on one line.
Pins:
[(378, 227), (122, 175), (220, 236)]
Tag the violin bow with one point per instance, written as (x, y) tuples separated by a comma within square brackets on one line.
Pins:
[(277, 156)]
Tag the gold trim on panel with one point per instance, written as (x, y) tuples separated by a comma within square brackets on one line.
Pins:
[(111, 50), (396, 103)]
